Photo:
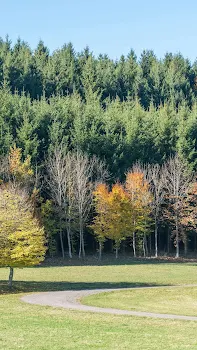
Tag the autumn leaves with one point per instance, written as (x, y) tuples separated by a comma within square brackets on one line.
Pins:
[(22, 238), (79, 199), (122, 212), (153, 197)]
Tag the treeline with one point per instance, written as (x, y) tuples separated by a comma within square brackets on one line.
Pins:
[(149, 79), (99, 112), (152, 199), (152, 211), (121, 133)]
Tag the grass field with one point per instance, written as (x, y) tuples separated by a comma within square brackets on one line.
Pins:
[(181, 301), (31, 327)]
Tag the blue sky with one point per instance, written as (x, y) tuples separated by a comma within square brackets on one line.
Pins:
[(106, 26)]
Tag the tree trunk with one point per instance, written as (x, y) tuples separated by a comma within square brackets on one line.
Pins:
[(100, 250), (156, 237), (81, 241), (80, 244), (83, 245), (168, 249), (144, 249), (116, 253), (72, 243), (146, 245), (69, 242), (185, 245), (134, 246), (177, 238), (150, 245), (10, 277), (61, 240)]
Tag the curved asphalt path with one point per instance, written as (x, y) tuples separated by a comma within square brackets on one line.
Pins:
[(70, 299)]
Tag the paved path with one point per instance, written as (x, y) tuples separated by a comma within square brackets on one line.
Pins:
[(71, 300)]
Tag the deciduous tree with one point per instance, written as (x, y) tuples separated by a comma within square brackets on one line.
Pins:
[(140, 198), (22, 240), (177, 179), (100, 220), (113, 209), (156, 181)]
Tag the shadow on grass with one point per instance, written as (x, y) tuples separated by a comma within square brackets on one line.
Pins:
[(109, 259), (33, 286)]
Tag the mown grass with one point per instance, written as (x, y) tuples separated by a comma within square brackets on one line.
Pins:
[(177, 301), (31, 327), (88, 274)]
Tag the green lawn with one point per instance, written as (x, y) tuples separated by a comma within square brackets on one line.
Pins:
[(31, 327), (181, 301)]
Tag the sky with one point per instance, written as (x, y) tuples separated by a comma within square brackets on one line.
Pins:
[(106, 26)]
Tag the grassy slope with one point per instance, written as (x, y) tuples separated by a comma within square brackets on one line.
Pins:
[(31, 327)]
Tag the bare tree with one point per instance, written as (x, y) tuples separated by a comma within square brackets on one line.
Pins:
[(176, 181), (69, 198), (71, 179), (139, 167), (83, 193), (87, 173), (156, 181), (100, 170)]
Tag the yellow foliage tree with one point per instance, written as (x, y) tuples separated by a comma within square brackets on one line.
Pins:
[(22, 240), (140, 197), (20, 171), (119, 215), (100, 220), (113, 218)]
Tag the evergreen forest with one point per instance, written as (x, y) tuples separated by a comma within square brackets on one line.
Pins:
[(114, 122)]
